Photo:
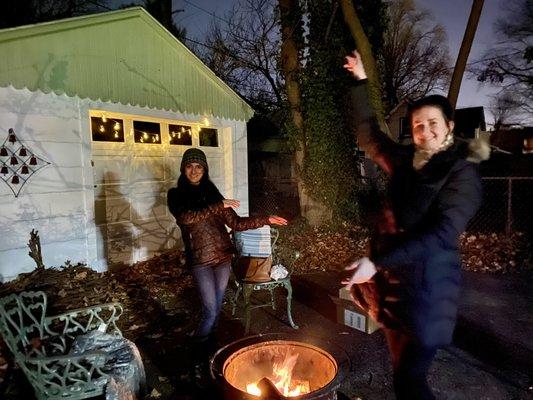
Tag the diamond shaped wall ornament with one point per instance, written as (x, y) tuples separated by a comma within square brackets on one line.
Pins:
[(18, 163)]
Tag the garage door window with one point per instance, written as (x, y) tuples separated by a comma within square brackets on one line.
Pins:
[(208, 137), (147, 132), (180, 135), (107, 129)]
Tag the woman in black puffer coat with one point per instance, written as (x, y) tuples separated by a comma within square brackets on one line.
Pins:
[(411, 281)]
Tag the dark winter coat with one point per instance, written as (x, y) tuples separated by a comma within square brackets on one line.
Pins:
[(417, 255), (202, 218)]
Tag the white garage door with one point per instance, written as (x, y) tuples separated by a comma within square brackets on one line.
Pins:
[(135, 161)]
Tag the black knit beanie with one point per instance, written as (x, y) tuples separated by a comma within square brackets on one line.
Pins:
[(194, 155)]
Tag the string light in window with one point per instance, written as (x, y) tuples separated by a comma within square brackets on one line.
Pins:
[(104, 118), (102, 129), (116, 127)]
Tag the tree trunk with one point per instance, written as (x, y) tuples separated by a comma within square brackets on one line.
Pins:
[(315, 213), (162, 11), (464, 51), (365, 49)]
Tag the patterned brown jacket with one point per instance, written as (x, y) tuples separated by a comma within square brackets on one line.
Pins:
[(204, 232)]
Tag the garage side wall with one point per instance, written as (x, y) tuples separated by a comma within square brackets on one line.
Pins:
[(53, 200)]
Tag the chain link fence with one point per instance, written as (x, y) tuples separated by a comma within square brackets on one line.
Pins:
[(507, 206), (274, 197), (507, 203)]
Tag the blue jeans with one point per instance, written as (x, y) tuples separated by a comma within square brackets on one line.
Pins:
[(211, 283)]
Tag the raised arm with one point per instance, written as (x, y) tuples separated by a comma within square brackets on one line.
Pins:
[(379, 147)]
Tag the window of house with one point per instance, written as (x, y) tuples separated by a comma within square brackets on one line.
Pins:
[(180, 135), (209, 137), (147, 132), (105, 129), (405, 128)]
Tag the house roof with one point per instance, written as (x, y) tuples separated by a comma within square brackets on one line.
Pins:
[(122, 56), (468, 119)]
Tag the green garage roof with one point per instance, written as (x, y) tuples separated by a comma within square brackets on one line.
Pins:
[(121, 56)]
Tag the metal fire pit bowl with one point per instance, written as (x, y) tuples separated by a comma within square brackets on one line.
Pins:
[(321, 363)]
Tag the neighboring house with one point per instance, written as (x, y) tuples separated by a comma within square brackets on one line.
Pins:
[(468, 122), (100, 110), (514, 140), (399, 124)]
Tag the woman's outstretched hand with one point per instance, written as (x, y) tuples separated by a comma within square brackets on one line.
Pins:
[(364, 271), (275, 220), (355, 66), (231, 203)]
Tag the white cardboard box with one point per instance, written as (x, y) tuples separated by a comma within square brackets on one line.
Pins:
[(349, 314)]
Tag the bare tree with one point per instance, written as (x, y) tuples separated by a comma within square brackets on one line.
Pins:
[(464, 51), (504, 107), (365, 49), (243, 50), (22, 12), (509, 63), (415, 55)]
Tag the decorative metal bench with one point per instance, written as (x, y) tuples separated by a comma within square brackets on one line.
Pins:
[(40, 345), (247, 288)]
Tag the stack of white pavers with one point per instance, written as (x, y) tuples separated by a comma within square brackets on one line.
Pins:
[(254, 242)]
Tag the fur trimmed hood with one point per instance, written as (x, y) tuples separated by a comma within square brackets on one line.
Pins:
[(478, 150)]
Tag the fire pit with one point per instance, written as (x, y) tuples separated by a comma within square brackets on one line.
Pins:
[(278, 366)]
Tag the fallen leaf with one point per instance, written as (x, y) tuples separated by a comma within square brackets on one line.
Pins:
[(155, 336), (155, 394), (80, 275)]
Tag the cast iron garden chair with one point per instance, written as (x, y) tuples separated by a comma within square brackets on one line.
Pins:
[(40, 345), (247, 288)]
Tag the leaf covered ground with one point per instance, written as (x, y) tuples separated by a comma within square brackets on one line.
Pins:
[(159, 299)]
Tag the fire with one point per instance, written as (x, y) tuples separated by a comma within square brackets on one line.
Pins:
[(282, 379)]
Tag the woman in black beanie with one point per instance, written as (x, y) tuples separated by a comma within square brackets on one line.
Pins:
[(202, 214)]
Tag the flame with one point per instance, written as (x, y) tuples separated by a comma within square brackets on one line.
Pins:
[(253, 389), (282, 379)]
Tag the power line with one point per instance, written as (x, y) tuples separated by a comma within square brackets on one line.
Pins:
[(95, 3), (207, 12)]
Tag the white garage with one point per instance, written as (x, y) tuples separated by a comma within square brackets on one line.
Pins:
[(95, 114)]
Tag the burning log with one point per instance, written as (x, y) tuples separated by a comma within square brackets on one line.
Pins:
[(269, 391)]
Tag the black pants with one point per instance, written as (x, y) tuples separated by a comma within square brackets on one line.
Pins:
[(410, 365)]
